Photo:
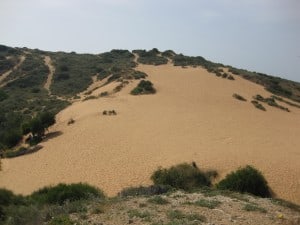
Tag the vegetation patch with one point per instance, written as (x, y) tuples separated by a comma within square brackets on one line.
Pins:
[(258, 105), (285, 101), (158, 200), (152, 57), (183, 176), (143, 87), (109, 113), (211, 204), (253, 207), (275, 85), (66, 192), (239, 97), (91, 97), (271, 102), (246, 180)]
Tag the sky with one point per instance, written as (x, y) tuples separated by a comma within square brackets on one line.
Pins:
[(258, 35)]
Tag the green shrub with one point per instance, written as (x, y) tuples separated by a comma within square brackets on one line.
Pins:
[(103, 94), (143, 87), (183, 176), (151, 57), (139, 75), (246, 180), (239, 97), (66, 192), (271, 102), (258, 105)]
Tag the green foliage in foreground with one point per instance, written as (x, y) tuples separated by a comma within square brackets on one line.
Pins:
[(246, 180), (49, 204), (66, 192), (183, 176)]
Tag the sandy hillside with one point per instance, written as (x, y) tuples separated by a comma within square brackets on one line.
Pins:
[(193, 117)]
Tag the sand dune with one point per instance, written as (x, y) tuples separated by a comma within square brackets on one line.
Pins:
[(193, 117)]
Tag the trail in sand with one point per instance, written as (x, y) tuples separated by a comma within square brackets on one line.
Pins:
[(7, 73), (192, 117)]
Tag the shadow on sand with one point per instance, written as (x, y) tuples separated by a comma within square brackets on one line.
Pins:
[(32, 149), (52, 135)]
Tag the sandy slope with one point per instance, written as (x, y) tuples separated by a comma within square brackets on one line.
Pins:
[(193, 117)]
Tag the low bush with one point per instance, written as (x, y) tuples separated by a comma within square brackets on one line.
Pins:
[(239, 97), (258, 105), (183, 176), (89, 98), (224, 75), (103, 94), (143, 87), (66, 192), (246, 180), (230, 77), (271, 102), (71, 121), (139, 75)]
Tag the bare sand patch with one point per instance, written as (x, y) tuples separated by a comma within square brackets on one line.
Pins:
[(192, 117)]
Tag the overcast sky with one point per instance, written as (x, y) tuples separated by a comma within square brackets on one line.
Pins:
[(258, 35)]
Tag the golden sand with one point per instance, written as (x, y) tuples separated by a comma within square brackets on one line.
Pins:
[(192, 117)]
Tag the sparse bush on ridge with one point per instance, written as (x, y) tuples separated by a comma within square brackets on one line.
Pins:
[(151, 57), (246, 180)]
